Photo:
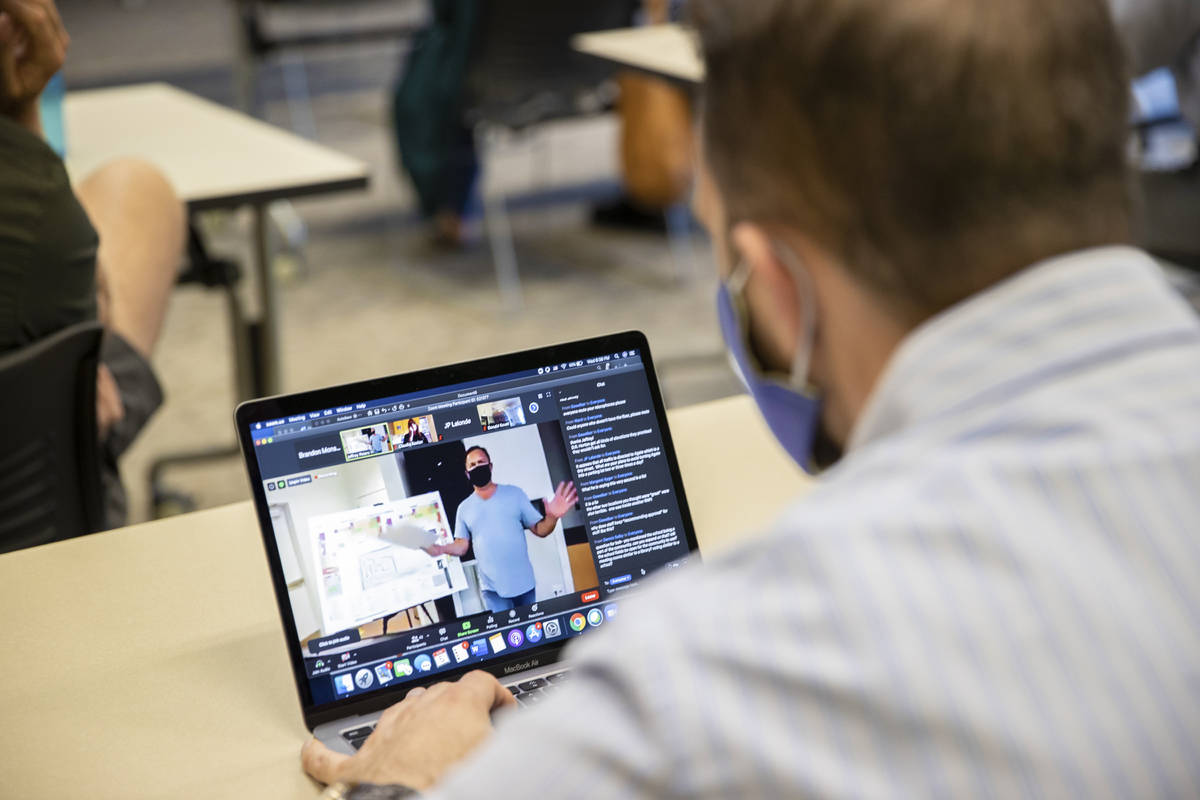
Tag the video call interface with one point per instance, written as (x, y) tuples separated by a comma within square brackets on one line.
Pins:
[(372, 506)]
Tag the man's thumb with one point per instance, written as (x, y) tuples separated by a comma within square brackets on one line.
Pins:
[(321, 762)]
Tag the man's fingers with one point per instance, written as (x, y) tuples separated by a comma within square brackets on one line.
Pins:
[(60, 29), (503, 698), (8, 47), (8, 68), (47, 38), (109, 407), (34, 17), (488, 691), (45, 22), (321, 762)]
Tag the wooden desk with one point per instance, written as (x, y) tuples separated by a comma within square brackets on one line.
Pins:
[(150, 662), (215, 158), (669, 50)]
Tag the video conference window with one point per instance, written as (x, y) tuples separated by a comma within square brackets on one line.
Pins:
[(415, 430), (501, 414), (371, 440), (361, 541)]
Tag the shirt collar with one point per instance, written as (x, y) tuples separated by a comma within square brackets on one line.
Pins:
[(1021, 332)]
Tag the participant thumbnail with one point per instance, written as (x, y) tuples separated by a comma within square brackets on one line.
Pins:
[(365, 442), (414, 430), (501, 414)]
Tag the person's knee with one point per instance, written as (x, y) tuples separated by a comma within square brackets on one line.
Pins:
[(132, 203), (123, 175), (127, 186), (142, 226)]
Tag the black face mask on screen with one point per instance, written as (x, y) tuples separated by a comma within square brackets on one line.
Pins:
[(480, 476)]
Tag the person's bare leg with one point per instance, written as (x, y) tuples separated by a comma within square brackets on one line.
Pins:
[(142, 227)]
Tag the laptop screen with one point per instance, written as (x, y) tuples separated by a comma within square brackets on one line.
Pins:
[(444, 529)]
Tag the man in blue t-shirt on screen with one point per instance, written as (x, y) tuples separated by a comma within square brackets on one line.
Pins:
[(496, 517)]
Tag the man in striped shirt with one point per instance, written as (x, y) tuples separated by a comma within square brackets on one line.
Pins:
[(920, 212)]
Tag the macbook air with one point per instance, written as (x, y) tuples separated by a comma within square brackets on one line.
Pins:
[(474, 516)]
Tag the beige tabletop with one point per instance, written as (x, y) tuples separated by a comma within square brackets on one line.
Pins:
[(669, 50), (215, 157), (149, 662)]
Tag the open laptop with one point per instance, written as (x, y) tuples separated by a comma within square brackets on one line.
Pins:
[(364, 502)]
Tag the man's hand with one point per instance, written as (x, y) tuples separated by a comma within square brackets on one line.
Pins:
[(33, 46), (420, 738), (563, 500), (110, 409), (458, 547)]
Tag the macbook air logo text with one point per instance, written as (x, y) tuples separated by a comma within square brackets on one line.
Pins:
[(511, 668)]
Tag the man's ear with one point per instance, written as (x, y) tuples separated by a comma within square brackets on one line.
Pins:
[(772, 293)]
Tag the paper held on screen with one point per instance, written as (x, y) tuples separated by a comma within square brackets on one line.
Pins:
[(406, 534), (365, 575)]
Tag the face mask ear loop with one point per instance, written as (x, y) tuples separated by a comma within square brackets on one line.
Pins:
[(808, 302), (737, 280)]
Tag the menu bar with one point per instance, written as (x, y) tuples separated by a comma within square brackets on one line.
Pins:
[(304, 424)]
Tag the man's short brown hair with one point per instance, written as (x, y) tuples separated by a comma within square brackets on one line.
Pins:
[(935, 146)]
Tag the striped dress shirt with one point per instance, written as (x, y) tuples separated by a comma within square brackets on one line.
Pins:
[(995, 594)]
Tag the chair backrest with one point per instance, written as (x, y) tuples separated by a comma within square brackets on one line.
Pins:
[(523, 69), (49, 454), (273, 24)]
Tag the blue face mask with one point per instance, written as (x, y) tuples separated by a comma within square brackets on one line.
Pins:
[(790, 407)]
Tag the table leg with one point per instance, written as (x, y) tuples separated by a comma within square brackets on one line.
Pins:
[(213, 273), (266, 338), (504, 252), (245, 65)]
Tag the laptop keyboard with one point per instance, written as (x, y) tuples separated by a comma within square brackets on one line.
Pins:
[(357, 736), (528, 693), (532, 692)]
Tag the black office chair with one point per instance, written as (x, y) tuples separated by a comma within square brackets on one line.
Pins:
[(1169, 192), (308, 24), (523, 72), (49, 455), (1169, 204)]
